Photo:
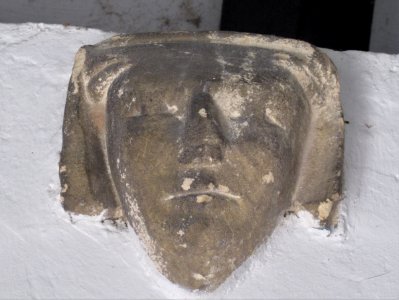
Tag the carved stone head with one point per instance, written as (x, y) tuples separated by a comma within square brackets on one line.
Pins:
[(201, 141)]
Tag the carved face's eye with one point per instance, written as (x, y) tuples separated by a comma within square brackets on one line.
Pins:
[(164, 126)]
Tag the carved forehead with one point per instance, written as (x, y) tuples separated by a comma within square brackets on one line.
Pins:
[(190, 61), (231, 67), (163, 79)]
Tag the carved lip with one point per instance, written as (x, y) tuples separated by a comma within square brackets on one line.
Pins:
[(213, 192)]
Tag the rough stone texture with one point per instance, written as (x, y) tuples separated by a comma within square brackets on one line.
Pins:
[(202, 141)]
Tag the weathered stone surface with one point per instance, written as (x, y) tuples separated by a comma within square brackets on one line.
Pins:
[(201, 142)]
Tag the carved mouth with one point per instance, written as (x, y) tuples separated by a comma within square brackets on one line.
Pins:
[(209, 193)]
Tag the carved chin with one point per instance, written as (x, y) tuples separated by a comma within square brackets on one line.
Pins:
[(202, 260), (201, 244)]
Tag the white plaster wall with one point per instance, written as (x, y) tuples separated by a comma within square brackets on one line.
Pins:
[(385, 27), (125, 16), (47, 254)]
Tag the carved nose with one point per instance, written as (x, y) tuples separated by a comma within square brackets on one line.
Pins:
[(203, 138)]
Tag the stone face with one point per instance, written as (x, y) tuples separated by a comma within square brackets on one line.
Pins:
[(201, 142)]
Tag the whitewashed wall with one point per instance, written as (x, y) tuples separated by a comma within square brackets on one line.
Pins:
[(46, 254)]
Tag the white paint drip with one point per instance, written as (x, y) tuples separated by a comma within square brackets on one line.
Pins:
[(223, 188), (203, 199), (198, 276), (172, 108), (202, 112), (268, 178), (186, 185)]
